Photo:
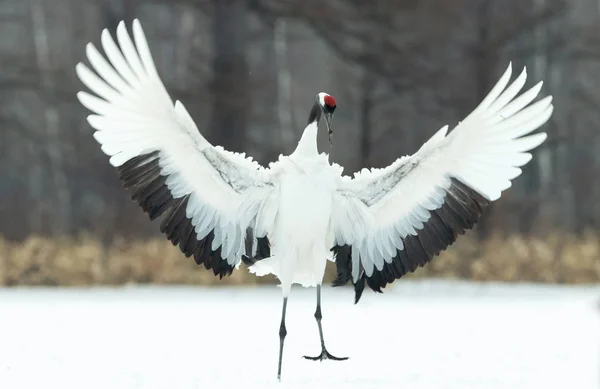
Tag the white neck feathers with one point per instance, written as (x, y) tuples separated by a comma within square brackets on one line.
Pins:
[(308, 142)]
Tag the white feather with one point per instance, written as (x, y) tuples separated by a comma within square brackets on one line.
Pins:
[(133, 115), (484, 151), (301, 203)]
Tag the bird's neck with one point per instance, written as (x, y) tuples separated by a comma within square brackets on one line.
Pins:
[(308, 142)]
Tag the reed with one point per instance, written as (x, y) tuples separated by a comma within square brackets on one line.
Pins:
[(81, 261)]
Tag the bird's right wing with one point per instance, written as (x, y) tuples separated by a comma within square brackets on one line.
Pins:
[(420, 204), (219, 205)]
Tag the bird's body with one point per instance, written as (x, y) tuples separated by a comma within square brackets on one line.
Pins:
[(222, 208), (302, 235)]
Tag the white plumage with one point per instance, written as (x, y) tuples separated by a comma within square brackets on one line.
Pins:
[(483, 152), (222, 208)]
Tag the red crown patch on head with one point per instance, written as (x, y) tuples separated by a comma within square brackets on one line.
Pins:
[(329, 100)]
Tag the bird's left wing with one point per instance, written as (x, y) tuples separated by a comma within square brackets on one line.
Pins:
[(217, 205), (387, 222)]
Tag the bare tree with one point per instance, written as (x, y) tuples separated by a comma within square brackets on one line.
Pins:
[(284, 83), (61, 214), (230, 92), (412, 66)]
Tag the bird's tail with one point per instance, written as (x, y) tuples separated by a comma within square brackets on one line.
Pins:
[(294, 266), (264, 267)]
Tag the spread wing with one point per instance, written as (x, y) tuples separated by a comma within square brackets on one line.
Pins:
[(420, 204), (217, 205)]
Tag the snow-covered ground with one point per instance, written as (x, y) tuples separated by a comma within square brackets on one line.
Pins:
[(429, 334)]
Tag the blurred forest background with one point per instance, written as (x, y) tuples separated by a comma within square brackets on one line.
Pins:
[(248, 72)]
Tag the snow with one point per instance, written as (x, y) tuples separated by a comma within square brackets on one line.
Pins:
[(418, 334)]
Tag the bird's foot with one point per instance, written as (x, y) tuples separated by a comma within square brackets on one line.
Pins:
[(325, 355)]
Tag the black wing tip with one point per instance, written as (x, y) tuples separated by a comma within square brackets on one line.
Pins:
[(339, 282), (263, 248), (141, 177), (359, 287), (462, 208), (343, 264), (247, 260), (341, 279)]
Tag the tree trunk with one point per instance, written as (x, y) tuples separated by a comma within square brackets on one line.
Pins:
[(483, 65), (284, 86), (366, 109), (230, 84), (61, 214)]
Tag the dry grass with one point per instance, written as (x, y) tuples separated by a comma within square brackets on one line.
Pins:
[(556, 258)]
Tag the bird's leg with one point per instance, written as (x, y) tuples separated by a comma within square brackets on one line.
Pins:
[(282, 334), (324, 353)]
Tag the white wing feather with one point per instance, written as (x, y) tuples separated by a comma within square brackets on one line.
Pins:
[(484, 152), (133, 115)]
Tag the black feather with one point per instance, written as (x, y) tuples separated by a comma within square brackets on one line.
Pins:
[(461, 209), (147, 186)]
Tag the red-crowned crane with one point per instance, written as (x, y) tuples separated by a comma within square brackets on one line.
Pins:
[(288, 219)]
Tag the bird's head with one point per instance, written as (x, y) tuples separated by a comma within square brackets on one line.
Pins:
[(327, 104)]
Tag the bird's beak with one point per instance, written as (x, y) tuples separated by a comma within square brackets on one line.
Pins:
[(328, 119)]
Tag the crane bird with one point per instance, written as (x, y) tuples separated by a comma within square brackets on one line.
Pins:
[(223, 208)]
